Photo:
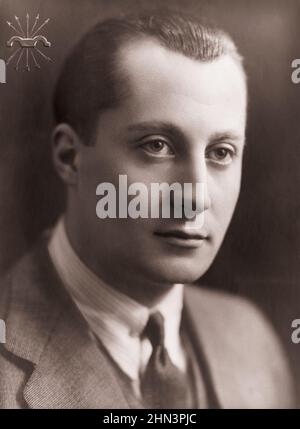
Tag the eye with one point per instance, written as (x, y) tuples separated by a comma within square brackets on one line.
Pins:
[(221, 154), (157, 147)]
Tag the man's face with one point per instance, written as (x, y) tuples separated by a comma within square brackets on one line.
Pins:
[(183, 121)]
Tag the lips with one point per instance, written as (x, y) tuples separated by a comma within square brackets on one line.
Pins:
[(182, 238), (181, 234)]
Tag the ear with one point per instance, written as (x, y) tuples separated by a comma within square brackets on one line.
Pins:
[(65, 152)]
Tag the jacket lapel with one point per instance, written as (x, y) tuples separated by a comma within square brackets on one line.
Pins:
[(45, 328), (195, 317)]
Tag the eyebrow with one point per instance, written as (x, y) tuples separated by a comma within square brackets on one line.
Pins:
[(174, 131), (158, 126), (227, 135)]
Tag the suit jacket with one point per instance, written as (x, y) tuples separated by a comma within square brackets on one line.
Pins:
[(49, 359)]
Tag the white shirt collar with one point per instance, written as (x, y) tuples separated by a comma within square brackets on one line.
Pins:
[(116, 319)]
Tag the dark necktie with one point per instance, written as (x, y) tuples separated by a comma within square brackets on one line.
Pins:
[(163, 385)]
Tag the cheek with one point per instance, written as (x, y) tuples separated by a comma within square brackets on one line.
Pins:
[(224, 196), (96, 169)]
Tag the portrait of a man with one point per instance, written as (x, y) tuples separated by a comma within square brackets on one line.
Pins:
[(105, 313)]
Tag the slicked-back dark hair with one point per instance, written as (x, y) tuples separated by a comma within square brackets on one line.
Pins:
[(90, 81)]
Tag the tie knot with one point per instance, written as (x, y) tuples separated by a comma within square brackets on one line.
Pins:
[(154, 329)]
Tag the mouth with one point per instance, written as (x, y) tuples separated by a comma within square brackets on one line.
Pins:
[(182, 238)]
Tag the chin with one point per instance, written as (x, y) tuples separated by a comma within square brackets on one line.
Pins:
[(179, 271)]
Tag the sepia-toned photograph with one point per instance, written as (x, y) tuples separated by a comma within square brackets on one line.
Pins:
[(149, 206)]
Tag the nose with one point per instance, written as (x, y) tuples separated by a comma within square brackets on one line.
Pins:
[(194, 180)]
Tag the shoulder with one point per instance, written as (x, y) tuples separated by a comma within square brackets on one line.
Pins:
[(12, 371), (31, 303), (28, 278), (237, 315), (221, 307), (243, 348)]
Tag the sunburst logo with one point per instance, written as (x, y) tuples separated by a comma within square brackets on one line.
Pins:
[(25, 41)]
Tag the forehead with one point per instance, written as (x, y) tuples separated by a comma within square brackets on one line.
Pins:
[(162, 80), (151, 67)]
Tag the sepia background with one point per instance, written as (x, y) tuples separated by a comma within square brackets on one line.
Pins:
[(260, 257)]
